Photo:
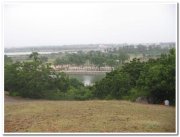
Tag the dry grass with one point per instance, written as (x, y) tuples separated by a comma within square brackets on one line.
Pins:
[(87, 116)]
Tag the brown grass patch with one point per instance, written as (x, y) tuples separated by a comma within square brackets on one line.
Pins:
[(87, 116)]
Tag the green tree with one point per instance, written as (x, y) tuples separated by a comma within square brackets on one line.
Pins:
[(38, 80), (134, 68), (158, 78), (114, 85), (43, 59), (7, 60), (34, 56), (123, 57)]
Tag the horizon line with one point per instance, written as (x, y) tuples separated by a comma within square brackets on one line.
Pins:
[(59, 45)]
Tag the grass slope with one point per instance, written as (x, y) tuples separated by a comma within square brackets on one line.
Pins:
[(87, 116)]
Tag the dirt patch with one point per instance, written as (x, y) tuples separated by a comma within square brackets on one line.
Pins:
[(10, 99)]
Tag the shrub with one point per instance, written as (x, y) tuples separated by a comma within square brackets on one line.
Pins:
[(14, 94), (134, 93), (81, 93)]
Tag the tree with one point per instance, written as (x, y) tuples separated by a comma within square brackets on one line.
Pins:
[(154, 79), (115, 85), (111, 62), (122, 56), (59, 61), (11, 80), (158, 78), (43, 59), (98, 61), (37, 80), (134, 68), (34, 56), (7, 60)]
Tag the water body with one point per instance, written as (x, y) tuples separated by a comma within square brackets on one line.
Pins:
[(27, 53), (87, 80)]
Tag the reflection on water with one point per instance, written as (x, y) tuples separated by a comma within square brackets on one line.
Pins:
[(88, 80)]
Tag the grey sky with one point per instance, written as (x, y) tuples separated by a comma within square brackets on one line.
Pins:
[(33, 24)]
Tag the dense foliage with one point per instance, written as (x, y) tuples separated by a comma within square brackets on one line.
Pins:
[(96, 58), (154, 79), (158, 78), (37, 80), (111, 56)]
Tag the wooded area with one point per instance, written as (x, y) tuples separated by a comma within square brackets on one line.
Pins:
[(153, 79)]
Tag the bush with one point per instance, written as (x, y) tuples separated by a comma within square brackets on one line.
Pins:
[(54, 95), (154, 80), (134, 93), (14, 94), (81, 93), (109, 97), (38, 80)]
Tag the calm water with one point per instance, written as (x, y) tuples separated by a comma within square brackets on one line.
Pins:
[(84, 78), (87, 79), (27, 53)]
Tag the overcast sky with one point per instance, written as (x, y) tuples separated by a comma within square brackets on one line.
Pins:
[(37, 24)]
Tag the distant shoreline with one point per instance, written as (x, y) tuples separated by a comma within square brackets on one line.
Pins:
[(28, 53)]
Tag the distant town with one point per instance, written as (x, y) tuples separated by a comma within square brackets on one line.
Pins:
[(86, 47)]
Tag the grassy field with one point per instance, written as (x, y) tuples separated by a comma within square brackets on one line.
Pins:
[(87, 116)]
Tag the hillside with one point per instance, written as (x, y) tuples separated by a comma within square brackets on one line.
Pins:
[(23, 115)]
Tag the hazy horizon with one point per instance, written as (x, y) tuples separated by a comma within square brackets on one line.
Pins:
[(29, 25), (38, 46)]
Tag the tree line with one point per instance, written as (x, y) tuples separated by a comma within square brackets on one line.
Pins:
[(38, 80), (111, 56), (153, 79), (97, 58)]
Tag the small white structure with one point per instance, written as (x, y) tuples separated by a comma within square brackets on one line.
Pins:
[(166, 102)]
